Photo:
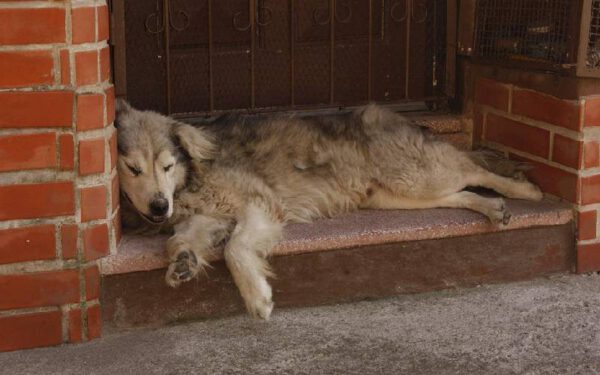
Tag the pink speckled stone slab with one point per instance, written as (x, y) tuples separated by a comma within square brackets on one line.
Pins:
[(361, 228)]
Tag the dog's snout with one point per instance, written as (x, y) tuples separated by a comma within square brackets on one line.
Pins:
[(159, 207)]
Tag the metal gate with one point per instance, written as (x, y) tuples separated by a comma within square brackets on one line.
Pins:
[(196, 57)]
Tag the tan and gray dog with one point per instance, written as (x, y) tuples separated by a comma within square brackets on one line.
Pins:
[(231, 187)]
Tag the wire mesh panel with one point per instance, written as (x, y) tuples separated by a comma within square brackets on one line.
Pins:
[(526, 31), (593, 46), (589, 51), (193, 57)]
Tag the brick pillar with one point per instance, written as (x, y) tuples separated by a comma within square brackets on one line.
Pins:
[(58, 187), (560, 138)]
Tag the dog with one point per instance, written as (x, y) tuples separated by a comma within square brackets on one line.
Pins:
[(230, 187)]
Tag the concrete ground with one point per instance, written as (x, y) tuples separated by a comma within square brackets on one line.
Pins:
[(548, 326)]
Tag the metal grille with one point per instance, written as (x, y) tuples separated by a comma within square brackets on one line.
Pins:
[(531, 31), (194, 57), (592, 58)]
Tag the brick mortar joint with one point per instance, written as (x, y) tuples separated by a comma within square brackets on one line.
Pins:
[(512, 88), (568, 133), (33, 5), (73, 48), (95, 88), (539, 159)]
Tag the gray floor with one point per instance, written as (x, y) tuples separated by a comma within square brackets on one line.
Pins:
[(549, 326)]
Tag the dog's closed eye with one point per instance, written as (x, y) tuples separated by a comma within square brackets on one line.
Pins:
[(168, 167), (134, 170)]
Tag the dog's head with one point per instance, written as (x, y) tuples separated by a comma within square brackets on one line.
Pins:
[(154, 151)]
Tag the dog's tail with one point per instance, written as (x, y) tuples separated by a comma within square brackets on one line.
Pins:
[(495, 162)]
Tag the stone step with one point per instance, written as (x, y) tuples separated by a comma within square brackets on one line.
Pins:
[(366, 254)]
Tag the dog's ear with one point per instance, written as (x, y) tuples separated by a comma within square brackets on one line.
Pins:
[(121, 109), (197, 142)]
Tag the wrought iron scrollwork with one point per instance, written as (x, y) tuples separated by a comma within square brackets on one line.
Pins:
[(181, 14), (264, 16), (155, 25), (317, 16), (322, 15), (394, 11), (418, 11)]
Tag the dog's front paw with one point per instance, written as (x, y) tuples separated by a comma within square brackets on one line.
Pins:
[(184, 268), (258, 299)]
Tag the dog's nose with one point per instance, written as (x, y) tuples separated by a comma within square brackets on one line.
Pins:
[(159, 207)]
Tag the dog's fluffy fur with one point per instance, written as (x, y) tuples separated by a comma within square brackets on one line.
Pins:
[(233, 185)]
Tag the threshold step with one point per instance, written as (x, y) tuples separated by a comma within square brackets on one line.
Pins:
[(360, 228), (365, 255)]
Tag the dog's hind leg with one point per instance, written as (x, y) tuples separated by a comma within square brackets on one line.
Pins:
[(193, 245), (509, 187), (493, 208), (251, 242)]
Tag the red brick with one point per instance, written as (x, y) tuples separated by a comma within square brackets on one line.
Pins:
[(590, 190), (587, 223), (91, 156), (117, 226), (103, 32), (75, 326), (67, 151), (26, 68), (517, 135), (69, 234), (591, 155), (30, 331), (92, 283), (567, 152), (84, 24), (90, 111), (492, 93), (94, 322), (32, 25), (552, 180), (115, 193), (93, 203), (31, 151), (65, 67), (114, 153), (95, 242), (546, 108), (592, 112), (86, 67), (110, 105), (33, 201), (36, 109), (53, 288), (588, 258), (27, 244), (105, 64)]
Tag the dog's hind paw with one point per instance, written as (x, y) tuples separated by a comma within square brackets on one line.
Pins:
[(499, 214), (183, 269)]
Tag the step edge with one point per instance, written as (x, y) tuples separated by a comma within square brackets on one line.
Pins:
[(122, 263)]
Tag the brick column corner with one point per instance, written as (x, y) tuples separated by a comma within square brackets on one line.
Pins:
[(58, 183), (560, 138)]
